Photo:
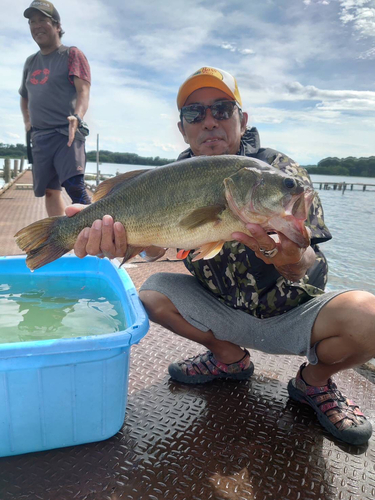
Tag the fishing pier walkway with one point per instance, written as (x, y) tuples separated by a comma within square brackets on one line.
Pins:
[(343, 186), (222, 441)]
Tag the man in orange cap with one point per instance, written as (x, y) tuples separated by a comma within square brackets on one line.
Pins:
[(256, 293)]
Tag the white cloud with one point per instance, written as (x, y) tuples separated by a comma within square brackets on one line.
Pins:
[(228, 46), (314, 93), (361, 14), (13, 136)]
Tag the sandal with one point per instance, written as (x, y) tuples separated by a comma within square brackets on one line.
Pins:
[(337, 414), (205, 367)]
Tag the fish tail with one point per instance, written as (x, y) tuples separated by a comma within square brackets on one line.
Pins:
[(40, 242)]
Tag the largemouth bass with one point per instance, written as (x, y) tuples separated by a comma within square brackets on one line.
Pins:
[(195, 203)]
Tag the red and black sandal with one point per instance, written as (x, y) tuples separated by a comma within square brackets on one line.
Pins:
[(205, 368), (337, 414)]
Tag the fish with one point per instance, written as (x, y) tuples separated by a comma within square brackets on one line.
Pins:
[(191, 204)]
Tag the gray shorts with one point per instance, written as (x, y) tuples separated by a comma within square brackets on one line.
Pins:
[(288, 333), (54, 162)]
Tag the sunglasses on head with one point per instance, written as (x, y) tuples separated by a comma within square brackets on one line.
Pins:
[(221, 110)]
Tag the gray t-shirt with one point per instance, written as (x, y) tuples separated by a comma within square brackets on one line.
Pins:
[(48, 84)]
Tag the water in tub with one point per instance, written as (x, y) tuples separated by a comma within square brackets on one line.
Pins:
[(45, 307)]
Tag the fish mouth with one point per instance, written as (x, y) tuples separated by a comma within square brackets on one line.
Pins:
[(302, 203), (299, 204)]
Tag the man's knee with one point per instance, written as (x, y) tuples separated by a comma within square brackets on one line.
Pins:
[(52, 193), (157, 305), (357, 319), (349, 316)]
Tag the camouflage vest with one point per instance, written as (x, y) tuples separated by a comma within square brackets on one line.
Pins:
[(241, 280)]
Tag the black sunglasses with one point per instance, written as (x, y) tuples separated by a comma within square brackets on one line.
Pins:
[(221, 110)]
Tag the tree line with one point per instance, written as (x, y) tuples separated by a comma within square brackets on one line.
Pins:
[(128, 158), (359, 167), (12, 151)]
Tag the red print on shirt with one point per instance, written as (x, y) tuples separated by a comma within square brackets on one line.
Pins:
[(36, 73)]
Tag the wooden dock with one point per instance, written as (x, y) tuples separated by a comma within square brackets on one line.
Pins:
[(343, 186)]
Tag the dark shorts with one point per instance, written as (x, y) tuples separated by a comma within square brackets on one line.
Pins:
[(54, 162)]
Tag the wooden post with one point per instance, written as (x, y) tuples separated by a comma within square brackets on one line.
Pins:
[(364, 187), (97, 159), (22, 162), (7, 175), (320, 186), (351, 187), (15, 168)]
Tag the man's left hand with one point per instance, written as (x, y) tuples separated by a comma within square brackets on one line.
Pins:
[(73, 125), (290, 260)]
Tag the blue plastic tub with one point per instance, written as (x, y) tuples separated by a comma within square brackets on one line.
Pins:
[(56, 393)]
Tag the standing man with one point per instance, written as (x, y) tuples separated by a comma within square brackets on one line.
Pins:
[(256, 293), (55, 92)]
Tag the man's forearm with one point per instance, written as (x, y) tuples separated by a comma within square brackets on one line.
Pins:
[(83, 97), (25, 112), (295, 272)]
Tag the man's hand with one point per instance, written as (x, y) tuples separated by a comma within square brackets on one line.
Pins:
[(27, 126), (106, 239), (290, 260), (73, 125), (103, 239)]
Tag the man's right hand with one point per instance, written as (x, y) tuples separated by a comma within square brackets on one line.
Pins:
[(27, 126), (104, 239)]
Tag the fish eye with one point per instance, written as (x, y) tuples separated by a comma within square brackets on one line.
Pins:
[(289, 183)]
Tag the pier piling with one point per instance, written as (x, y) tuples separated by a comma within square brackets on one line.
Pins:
[(15, 167), (7, 175)]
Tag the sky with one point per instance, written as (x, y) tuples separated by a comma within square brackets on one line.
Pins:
[(305, 70)]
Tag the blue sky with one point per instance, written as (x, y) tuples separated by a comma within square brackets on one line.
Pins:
[(305, 69)]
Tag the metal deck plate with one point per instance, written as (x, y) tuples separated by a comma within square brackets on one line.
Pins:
[(222, 441)]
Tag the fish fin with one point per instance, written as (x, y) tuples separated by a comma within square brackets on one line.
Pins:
[(182, 254), (39, 242), (201, 216), (208, 250), (113, 183), (131, 252)]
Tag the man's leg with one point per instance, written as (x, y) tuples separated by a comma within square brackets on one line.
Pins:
[(345, 332), (54, 202), (76, 189), (224, 359), (162, 311)]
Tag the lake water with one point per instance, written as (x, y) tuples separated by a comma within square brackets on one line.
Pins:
[(42, 308), (350, 218)]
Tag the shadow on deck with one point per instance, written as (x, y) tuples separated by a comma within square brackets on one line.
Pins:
[(223, 441)]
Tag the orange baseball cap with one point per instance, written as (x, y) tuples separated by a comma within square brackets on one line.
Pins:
[(209, 77)]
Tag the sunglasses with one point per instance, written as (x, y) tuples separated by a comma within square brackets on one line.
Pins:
[(221, 110)]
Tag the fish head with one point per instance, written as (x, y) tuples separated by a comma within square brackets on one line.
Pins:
[(268, 197)]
